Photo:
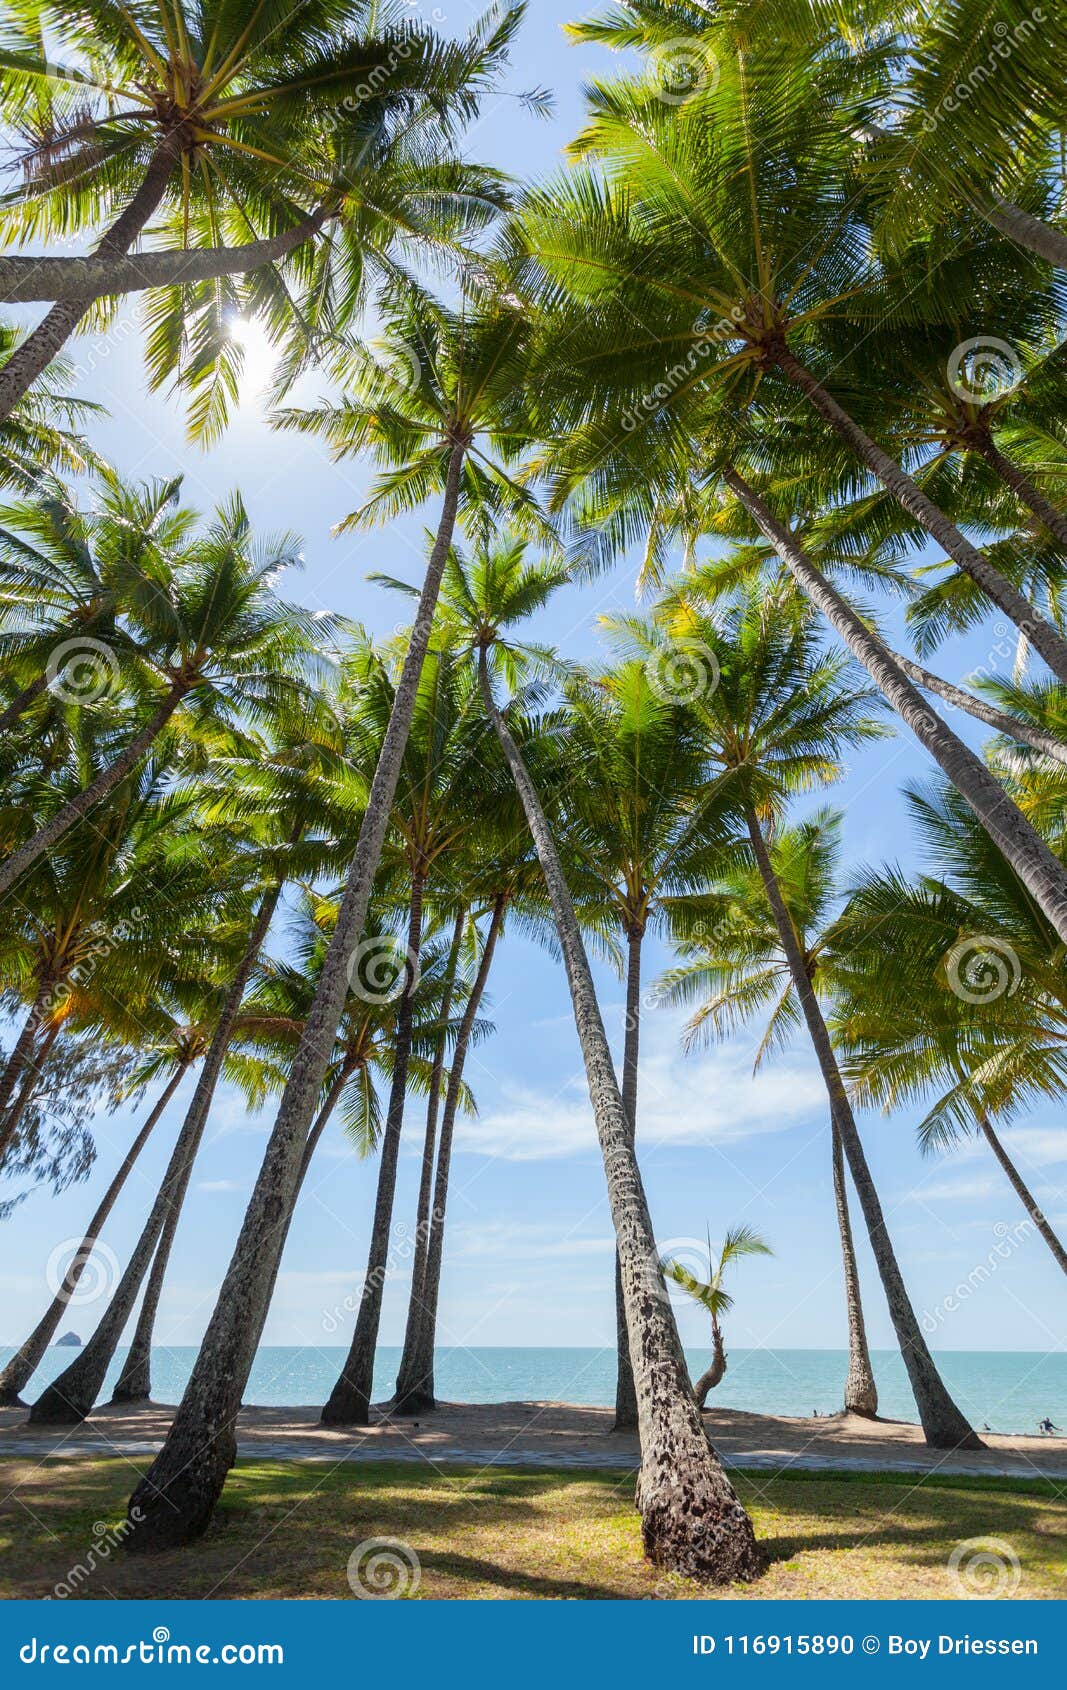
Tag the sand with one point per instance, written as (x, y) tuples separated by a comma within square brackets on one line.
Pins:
[(548, 1434)]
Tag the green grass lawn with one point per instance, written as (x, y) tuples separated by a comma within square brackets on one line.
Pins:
[(287, 1529)]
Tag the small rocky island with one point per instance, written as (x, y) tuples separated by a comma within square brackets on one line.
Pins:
[(70, 1340)]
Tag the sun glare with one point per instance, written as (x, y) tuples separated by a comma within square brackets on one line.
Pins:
[(259, 360)]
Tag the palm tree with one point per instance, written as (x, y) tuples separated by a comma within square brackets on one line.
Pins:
[(440, 801), (739, 1241), (238, 138), (639, 836), (713, 258), (974, 1016), (438, 430), (691, 1518), (40, 437), (776, 721), (213, 638), (733, 963), (184, 1047)]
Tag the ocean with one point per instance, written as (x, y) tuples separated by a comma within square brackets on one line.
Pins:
[(1006, 1391)]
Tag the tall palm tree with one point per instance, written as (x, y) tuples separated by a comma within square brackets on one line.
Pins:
[(713, 1297), (41, 436), (639, 835), (777, 720), (235, 135), (734, 965), (438, 430), (691, 1518), (214, 638)]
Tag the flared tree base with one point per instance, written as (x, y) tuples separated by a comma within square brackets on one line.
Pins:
[(56, 1408), (416, 1400), (175, 1500), (717, 1546), (346, 1408)]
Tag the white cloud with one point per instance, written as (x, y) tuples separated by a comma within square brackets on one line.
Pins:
[(221, 1185), (709, 1098), (521, 1241)]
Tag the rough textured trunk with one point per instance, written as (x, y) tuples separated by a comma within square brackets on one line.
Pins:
[(625, 1390), (28, 280), (1024, 849), (1047, 514), (943, 1425), (861, 1392), (1046, 639), (106, 781), (41, 345), (405, 1378), (1022, 1191), (692, 1521), (418, 1394), (20, 1369), (1012, 726), (175, 1500), (1027, 231), (349, 1401), (72, 1395), (716, 1373), (134, 1383), (22, 701)]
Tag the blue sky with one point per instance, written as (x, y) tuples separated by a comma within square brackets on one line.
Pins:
[(528, 1257)]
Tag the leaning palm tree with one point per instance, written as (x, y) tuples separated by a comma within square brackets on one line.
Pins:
[(691, 1518), (733, 968), (973, 1018), (638, 836), (435, 430), (713, 1298), (213, 640), (776, 721), (41, 436), (250, 146)]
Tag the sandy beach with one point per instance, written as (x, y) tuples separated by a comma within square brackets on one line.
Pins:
[(546, 1434)]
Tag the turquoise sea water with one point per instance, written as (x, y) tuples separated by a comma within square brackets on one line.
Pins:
[(1008, 1391)]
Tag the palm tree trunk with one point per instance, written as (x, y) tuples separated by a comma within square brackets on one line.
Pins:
[(106, 781), (861, 1392), (625, 1390), (692, 1521), (175, 1500), (1046, 639), (30, 280), (349, 1402), (22, 701), (716, 1373), (1027, 231), (1024, 849), (1055, 521), (41, 345), (942, 1423), (1012, 726), (404, 1379), (73, 1394), (134, 1383), (1022, 1190), (418, 1393), (20, 1369)]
